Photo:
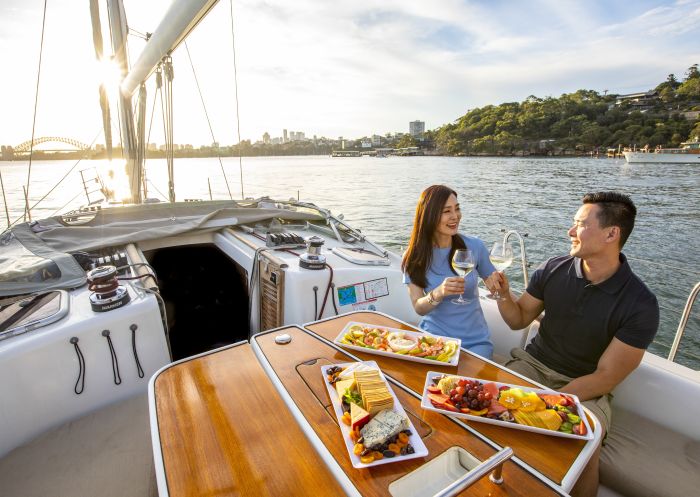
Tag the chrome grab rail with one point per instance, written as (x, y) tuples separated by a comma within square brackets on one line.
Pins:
[(493, 463), (523, 256), (683, 322)]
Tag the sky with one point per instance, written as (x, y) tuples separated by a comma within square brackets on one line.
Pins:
[(340, 68)]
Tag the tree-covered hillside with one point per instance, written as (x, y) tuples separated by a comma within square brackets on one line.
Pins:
[(580, 122)]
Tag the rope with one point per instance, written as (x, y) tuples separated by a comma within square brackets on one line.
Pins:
[(81, 366), (168, 125), (36, 101), (335, 308), (206, 114), (139, 369), (235, 85), (115, 362), (328, 289)]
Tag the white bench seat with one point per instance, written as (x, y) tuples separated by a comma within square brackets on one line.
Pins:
[(656, 461), (106, 453)]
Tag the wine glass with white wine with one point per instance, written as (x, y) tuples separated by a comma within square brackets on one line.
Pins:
[(463, 263), (501, 257)]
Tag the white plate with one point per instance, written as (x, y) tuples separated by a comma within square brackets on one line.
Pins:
[(454, 360), (419, 447), (426, 404)]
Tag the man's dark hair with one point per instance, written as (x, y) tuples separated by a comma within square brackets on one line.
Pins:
[(616, 209)]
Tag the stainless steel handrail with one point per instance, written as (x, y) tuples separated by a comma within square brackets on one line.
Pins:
[(683, 322), (493, 463), (523, 256)]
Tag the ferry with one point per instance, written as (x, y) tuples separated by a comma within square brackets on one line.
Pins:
[(182, 348)]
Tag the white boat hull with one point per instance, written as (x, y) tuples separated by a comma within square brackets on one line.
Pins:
[(661, 158)]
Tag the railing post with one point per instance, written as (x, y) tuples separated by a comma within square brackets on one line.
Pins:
[(683, 322)]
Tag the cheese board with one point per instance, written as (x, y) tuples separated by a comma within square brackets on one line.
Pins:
[(511, 406), (413, 346), (374, 425)]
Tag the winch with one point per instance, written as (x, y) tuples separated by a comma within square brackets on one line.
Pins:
[(107, 293), (312, 258)]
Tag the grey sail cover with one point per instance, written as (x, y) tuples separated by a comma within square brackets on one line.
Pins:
[(35, 256)]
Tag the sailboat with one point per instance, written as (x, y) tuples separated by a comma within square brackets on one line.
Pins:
[(177, 348)]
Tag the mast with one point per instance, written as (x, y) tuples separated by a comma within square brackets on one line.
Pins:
[(104, 100), (119, 31)]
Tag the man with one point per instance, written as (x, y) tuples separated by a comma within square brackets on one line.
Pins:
[(599, 317)]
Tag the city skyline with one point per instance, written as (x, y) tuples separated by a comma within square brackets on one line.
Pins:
[(351, 70)]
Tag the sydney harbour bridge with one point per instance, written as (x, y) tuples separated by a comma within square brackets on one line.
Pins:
[(10, 152), (26, 146)]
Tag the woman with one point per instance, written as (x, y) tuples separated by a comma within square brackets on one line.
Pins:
[(432, 283)]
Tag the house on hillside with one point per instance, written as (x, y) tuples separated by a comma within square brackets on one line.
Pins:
[(638, 101)]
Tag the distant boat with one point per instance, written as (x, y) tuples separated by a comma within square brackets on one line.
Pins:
[(688, 153)]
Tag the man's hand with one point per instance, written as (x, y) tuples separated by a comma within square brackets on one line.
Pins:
[(497, 282)]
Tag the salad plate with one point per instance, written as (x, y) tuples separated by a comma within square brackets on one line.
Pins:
[(413, 346)]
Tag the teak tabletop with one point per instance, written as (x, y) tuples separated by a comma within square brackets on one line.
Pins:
[(224, 427), (552, 456), (224, 430)]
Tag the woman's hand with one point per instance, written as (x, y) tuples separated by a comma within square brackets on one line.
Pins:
[(454, 285)]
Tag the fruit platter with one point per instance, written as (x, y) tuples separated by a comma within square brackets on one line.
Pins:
[(400, 344), (375, 428), (512, 406)]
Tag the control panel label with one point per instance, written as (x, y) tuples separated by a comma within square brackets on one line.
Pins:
[(363, 292)]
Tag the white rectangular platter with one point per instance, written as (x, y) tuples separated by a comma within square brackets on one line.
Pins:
[(414, 439), (426, 404), (454, 360)]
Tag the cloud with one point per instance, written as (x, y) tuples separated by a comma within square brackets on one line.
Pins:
[(357, 68)]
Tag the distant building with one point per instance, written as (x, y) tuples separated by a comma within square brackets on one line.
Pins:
[(416, 129), (638, 101), (376, 140), (266, 137), (284, 136)]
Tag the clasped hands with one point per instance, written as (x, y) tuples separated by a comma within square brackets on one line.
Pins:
[(454, 285)]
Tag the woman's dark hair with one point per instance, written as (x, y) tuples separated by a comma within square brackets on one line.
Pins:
[(616, 209), (419, 254)]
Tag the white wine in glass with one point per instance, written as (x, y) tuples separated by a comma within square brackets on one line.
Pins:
[(501, 257), (463, 264)]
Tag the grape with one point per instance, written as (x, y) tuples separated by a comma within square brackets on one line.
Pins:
[(471, 393), (460, 390)]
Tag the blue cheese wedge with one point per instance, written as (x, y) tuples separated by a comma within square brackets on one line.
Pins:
[(385, 425)]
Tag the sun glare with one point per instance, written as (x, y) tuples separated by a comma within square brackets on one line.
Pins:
[(109, 75), (115, 179)]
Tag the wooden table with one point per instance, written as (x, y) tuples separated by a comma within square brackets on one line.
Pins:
[(256, 419)]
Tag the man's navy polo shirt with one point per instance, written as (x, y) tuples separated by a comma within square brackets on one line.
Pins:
[(581, 319)]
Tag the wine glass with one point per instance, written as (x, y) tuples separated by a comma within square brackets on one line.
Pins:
[(463, 264), (501, 257)]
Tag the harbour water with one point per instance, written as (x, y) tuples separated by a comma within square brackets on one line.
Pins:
[(378, 195)]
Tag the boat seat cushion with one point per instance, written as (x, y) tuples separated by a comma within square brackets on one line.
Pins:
[(642, 458), (106, 453)]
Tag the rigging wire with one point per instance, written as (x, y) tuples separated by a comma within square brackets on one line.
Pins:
[(206, 114), (36, 101), (235, 85)]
